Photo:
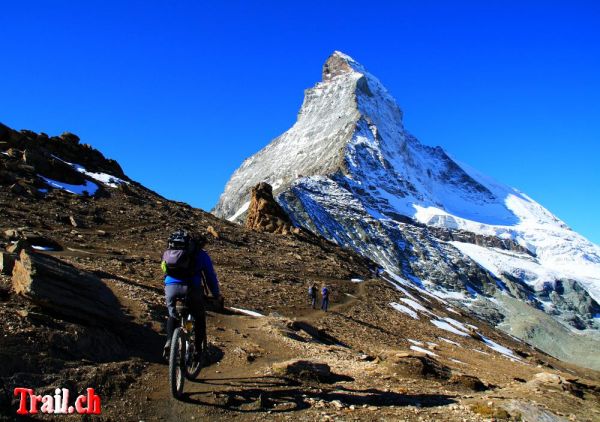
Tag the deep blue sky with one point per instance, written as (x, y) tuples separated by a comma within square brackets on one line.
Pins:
[(180, 93)]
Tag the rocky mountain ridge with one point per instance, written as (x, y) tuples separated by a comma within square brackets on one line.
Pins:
[(348, 170)]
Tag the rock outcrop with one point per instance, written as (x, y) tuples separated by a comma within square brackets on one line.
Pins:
[(265, 214), (65, 290)]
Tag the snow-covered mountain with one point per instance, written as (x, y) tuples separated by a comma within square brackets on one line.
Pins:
[(349, 170)]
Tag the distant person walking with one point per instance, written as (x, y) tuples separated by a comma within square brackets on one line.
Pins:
[(325, 298), (312, 294)]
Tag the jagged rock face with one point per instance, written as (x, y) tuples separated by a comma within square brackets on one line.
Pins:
[(349, 171), (35, 163), (40, 150), (265, 214)]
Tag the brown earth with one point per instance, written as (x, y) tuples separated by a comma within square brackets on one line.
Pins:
[(371, 372)]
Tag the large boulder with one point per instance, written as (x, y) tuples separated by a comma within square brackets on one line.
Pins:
[(64, 290)]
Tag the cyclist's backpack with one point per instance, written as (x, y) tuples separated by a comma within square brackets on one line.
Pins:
[(179, 260)]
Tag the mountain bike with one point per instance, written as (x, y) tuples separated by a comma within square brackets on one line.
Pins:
[(182, 358)]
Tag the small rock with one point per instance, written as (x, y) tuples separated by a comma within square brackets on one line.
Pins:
[(211, 230), (75, 222), (547, 378), (70, 137), (337, 404)]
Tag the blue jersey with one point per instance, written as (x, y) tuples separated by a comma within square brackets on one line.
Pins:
[(204, 270)]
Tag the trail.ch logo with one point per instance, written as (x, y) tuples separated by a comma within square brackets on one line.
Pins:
[(58, 403)]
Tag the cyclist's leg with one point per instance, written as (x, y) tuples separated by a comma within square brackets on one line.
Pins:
[(172, 293), (196, 304)]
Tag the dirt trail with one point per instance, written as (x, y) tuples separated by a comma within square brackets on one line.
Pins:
[(238, 380), (240, 352), (343, 302)]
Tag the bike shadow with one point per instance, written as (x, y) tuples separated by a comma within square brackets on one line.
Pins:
[(281, 395)]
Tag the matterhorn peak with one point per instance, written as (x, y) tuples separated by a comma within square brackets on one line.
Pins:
[(338, 64)]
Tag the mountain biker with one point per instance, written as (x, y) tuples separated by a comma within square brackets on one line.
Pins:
[(325, 300), (188, 285), (312, 294)]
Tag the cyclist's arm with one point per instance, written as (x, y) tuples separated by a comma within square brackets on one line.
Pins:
[(208, 272)]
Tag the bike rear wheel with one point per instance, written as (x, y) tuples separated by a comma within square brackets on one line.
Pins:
[(194, 366), (177, 363)]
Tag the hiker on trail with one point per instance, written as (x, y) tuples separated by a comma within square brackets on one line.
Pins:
[(312, 294), (188, 271), (325, 296)]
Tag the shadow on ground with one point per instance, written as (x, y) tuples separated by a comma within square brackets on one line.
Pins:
[(275, 394)]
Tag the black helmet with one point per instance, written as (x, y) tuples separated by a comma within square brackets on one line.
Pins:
[(179, 239)]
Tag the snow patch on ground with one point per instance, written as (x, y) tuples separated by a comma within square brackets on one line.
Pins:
[(450, 341), (499, 348), (42, 248), (417, 306), (420, 349), (247, 312), (104, 178), (443, 325), (404, 310), (89, 187), (460, 325), (452, 310)]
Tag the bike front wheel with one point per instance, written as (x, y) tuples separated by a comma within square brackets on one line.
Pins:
[(177, 363)]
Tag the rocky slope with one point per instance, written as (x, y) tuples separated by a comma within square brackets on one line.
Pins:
[(83, 307), (349, 171)]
